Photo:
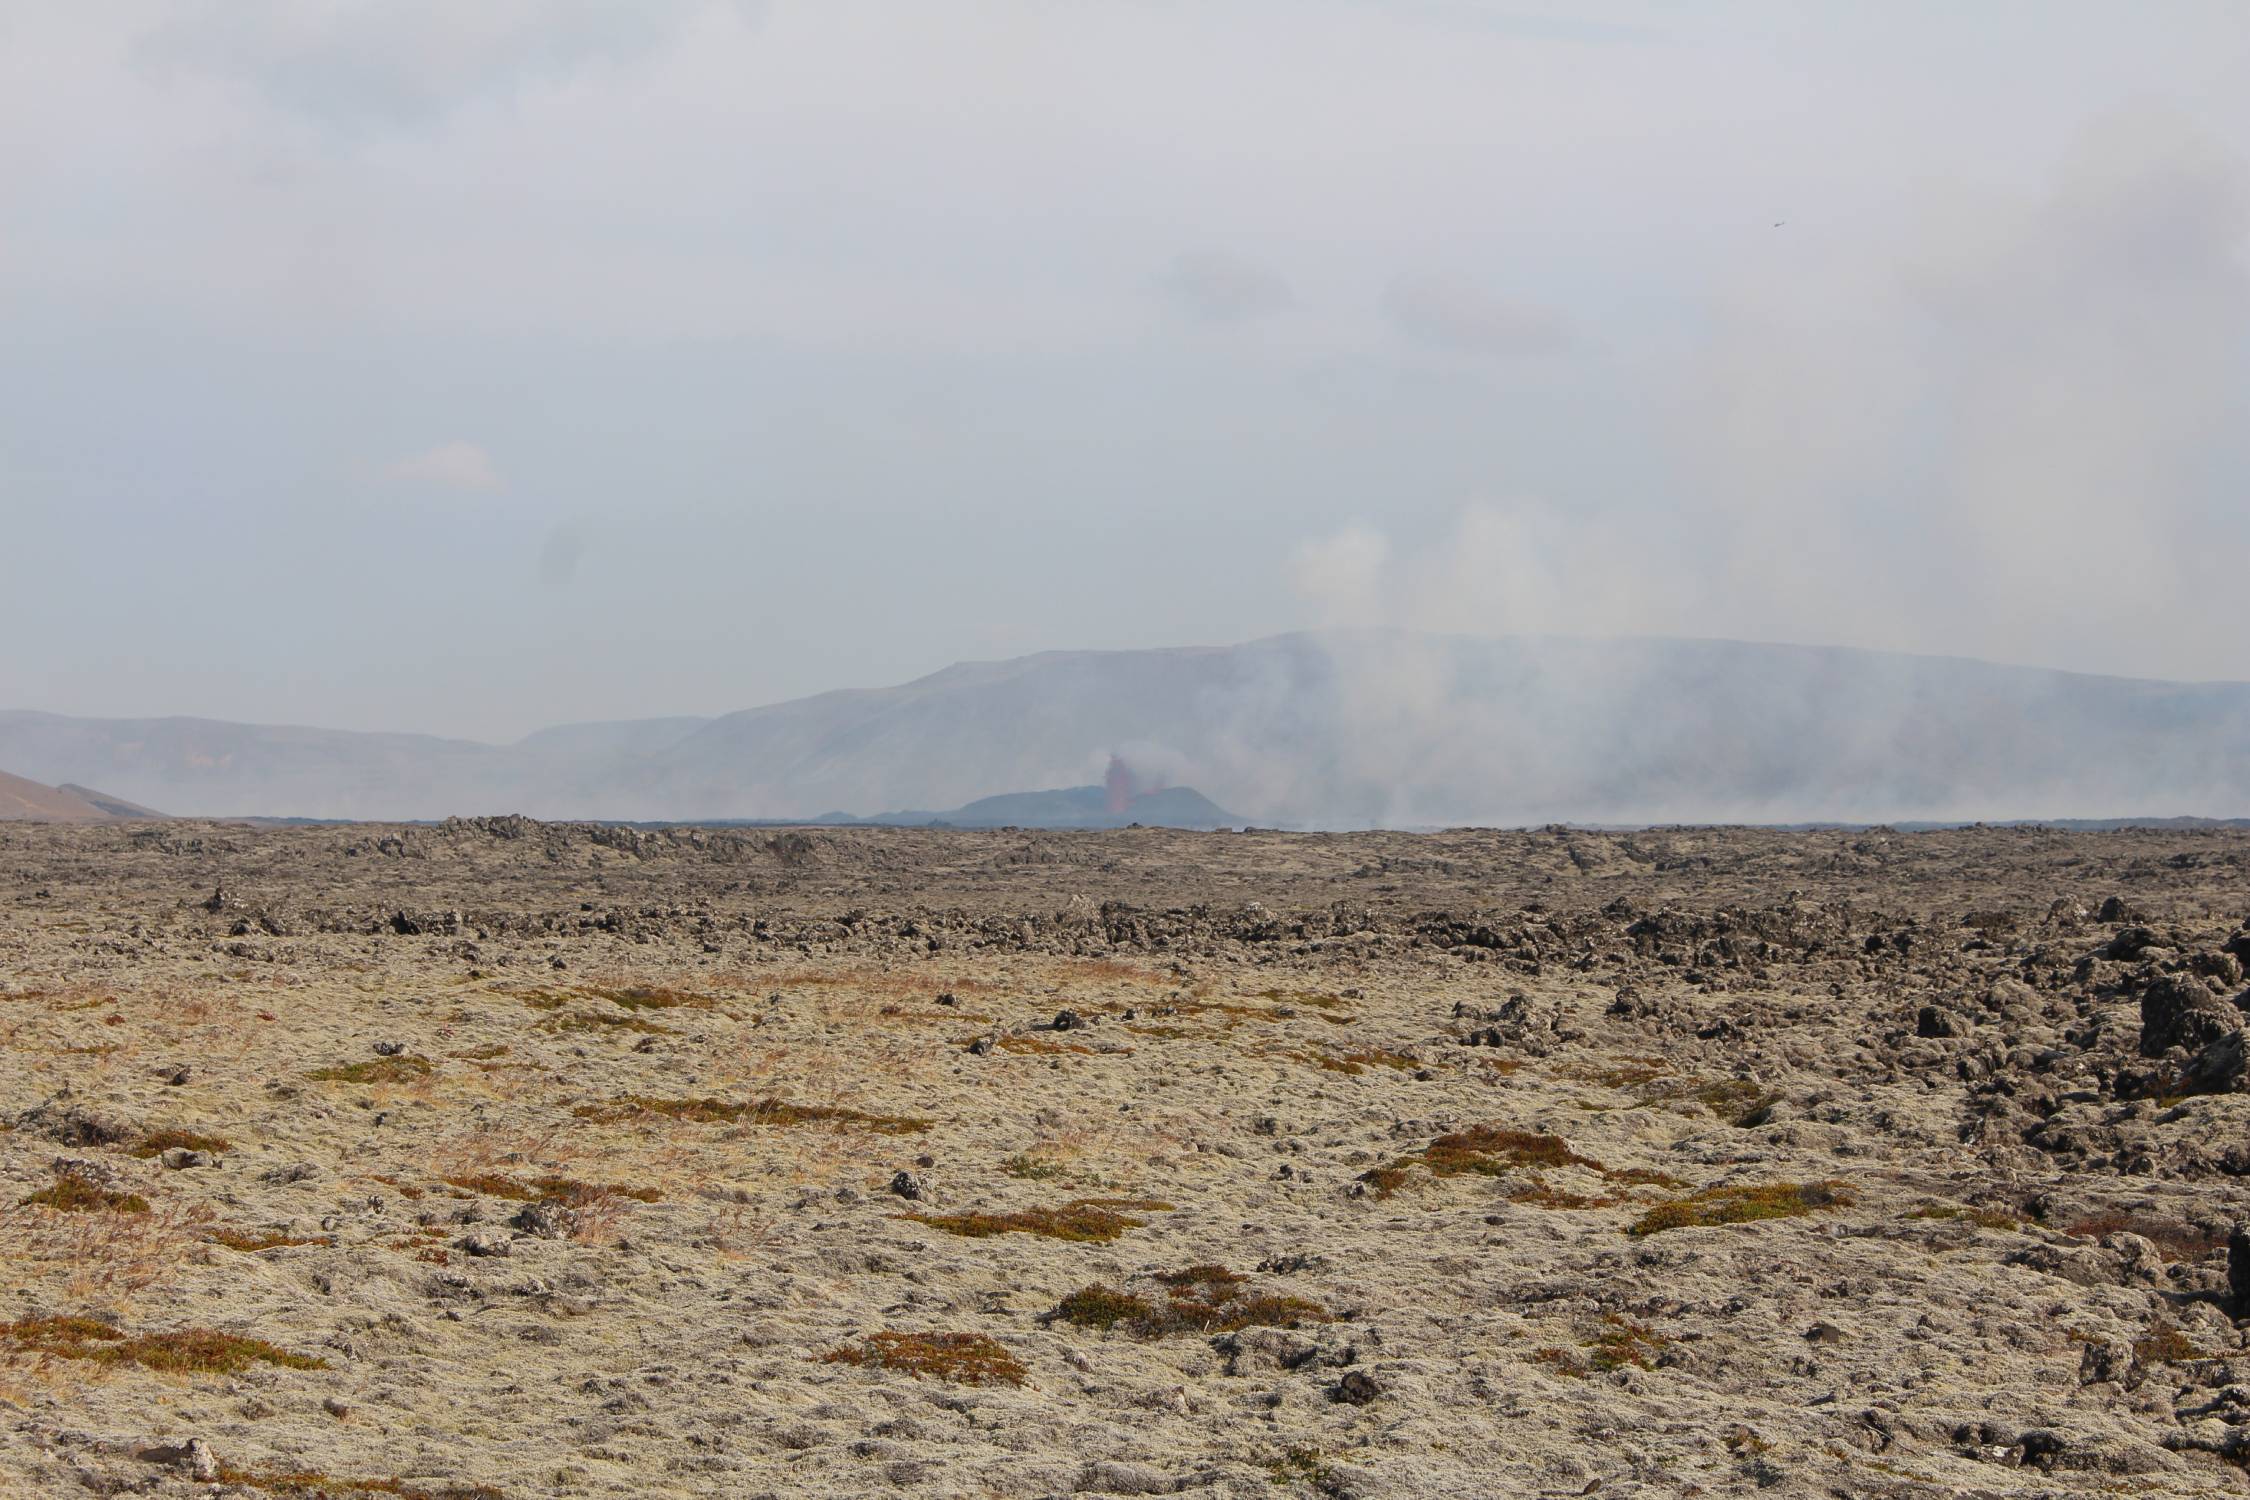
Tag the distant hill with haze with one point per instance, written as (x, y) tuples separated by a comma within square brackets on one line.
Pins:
[(29, 801), (1067, 807), (1339, 729)]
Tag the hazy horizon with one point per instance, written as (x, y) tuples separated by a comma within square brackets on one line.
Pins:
[(1344, 728), (1314, 633), (474, 369)]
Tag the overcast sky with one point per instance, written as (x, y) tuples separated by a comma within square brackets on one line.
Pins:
[(468, 367)]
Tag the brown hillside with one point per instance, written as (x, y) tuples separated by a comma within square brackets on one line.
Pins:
[(103, 802), (22, 800)]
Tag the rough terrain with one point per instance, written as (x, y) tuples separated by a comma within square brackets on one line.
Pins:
[(519, 1159)]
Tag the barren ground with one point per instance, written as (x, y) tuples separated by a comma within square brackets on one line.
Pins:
[(502, 1158)]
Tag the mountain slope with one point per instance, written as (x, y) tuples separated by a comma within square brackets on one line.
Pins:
[(1394, 728), (211, 767), (1336, 729), (611, 737), (29, 801), (108, 806)]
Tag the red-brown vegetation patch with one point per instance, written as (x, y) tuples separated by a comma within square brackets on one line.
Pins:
[(2178, 1241), (250, 1243), (311, 1484), (75, 1195), (962, 1358), (562, 1189), (183, 1351), (772, 1112), (157, 1142), (1199, 1299), (1095, 1220)]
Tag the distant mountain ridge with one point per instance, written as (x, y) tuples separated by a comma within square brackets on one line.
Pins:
[(1337, 729)]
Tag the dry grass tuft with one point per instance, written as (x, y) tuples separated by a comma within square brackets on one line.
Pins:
[(863, 986), (1983, 1218), (2178, 1241), (1303, 1465), (562, 1189), (652, 997), (1093, 1220), (2166, 1345), (1110, 971), (635, 1107), (602, 1021), (1621, 1343), (250, 1244), (1537, 1192), (1742, 1205), (1199, 1299), (405, 1068), (1039, 1046), (310, 1484), (962, 1358), (1625, 1073), (185, 1351), (1484, 1150), (104, 1257), (157, 1142), (75, 1195), (1318, 999), (1235, 1014), (1104, 1307), (1650, 1082), (1352, 1063), (1563, 1362)]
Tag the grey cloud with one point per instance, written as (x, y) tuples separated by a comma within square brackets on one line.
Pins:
[(876, 282), (457, 465), (1446, 312), (560, 554), (357, 63), (2045, 392), (1530, 26), (1216, 288)]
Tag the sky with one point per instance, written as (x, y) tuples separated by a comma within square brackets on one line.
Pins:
[(468, 368)]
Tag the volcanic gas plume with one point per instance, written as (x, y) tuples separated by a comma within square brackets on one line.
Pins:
[(1119, 782)]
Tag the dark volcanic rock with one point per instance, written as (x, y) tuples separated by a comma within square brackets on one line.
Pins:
[(2179, 1010)]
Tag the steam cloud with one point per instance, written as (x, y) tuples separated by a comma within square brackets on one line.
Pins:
[(2016, 432)]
